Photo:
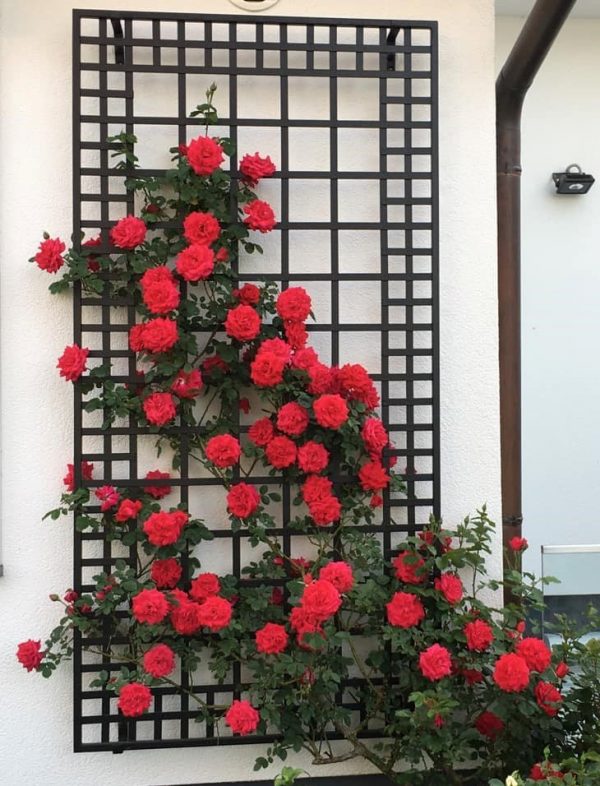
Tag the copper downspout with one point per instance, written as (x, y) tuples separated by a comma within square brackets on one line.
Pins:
[(533, 44)]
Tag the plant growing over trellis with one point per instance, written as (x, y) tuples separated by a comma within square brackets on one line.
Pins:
[(393, 654)]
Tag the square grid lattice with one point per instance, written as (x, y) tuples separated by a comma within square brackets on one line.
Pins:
[(348, 110)]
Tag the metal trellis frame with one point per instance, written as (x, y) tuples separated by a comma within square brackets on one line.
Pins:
[(377, 77)]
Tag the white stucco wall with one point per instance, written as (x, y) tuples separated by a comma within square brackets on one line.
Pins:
[(560, 288), (35, 163)]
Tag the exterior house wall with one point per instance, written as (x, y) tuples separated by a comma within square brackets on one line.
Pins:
[(36, 412), (561, 318)]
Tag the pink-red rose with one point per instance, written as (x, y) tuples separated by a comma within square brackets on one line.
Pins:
[(159, 408), (49, 257), (128, 233), (73, 362), (204, 155), (242, 500), (259, 215), (435, 663), (242, 718)]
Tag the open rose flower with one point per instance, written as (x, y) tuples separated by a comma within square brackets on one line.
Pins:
[(134, 699), (202, 228), (73, 362), (30, 655), (128, 233), (195, 263), (259, 216), (242, 718), (49, 257), (255, 167), (204, 155)]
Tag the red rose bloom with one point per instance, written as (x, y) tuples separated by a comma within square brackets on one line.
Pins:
[(259, 216), (294, 304), (159, 408), (374, 436), (535, 654), (187, 384), (266, 370), (305, 358), (511, 673), (316, 488), (331, 411), (373, 476), (271, 639), (562, 670), (313, 457), (87, 470), (195, 263), (292, 419), (160, 335), (185, 617), (488, 724), (128, 509), (215, 613), (541, 772), (223, 450), (479, 635), (255, 167), (325, 511), (158, 492), (339, 574), (321, 600), (204, 155), (159, 290), (355, 382), (108, 496), (242, 500), (281, 452), (72, 362), (159, 661), (409, 568), (548, 698), (136, 337), (278, 347), (405, 610), (296, 334), (128, 233), (150, 606), (242, 718), (165, 573), (202, 228), (451, 587), (518, 544), (435, 663), (205, 585), (134, 699), (242, 323), (49, 257), (29, 654), (302, 622), (162, 528), (261, 432), (248, 294)]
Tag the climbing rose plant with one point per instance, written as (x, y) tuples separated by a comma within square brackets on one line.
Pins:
[(347, 640)]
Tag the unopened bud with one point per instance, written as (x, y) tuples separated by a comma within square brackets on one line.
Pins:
[(53, 597)]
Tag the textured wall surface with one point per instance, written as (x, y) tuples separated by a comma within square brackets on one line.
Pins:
[(560, 285), (35, 160)]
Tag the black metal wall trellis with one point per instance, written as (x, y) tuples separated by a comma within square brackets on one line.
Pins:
[(396, 65)]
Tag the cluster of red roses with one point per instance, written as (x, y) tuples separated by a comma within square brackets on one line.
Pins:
[(511, 671), (280, 438)]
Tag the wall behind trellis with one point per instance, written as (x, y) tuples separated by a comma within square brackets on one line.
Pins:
[(35, 158)]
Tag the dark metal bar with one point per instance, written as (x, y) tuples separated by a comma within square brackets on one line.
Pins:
[(533, 44)]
